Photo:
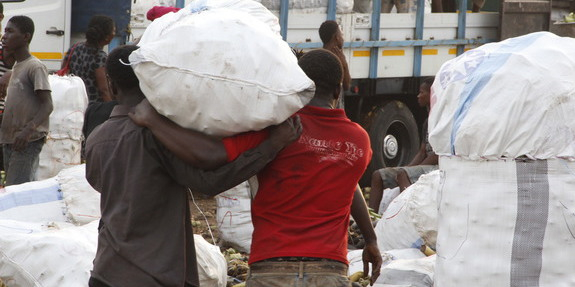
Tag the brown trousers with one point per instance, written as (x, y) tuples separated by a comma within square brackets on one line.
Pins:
[(298, 274)]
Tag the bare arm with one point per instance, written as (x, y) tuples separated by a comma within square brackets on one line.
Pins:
[(431, 159), (194, 148), (248, 164), (4, 80), (371, 252), (22, 138), (419, 157), (402, 178), (102, 84)]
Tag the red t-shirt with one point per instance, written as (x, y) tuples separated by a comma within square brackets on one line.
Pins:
[(303, 202)]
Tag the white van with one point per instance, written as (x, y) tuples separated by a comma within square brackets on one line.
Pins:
[(52, 19)]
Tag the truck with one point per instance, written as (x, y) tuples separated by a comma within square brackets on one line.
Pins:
[(389, 54)]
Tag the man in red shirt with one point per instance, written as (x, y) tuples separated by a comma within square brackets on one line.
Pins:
[(301, 210)]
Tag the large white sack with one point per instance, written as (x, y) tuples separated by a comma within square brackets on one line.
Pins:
[(409, 272), (67, 197), (212, 265), (58, 154), (226, 71), (234, 218), (354, 258), (507, 99), (46, 255), (506, 223), (81, 199), (389, 194), (316, 6), (33, 201), (64, 141), (410, 221)]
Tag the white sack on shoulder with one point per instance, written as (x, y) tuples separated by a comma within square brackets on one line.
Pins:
[(219, 71), (507, 99)]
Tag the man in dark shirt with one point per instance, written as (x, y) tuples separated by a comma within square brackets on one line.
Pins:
[(145, 235)]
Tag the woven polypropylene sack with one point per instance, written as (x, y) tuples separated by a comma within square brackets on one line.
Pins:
[(505, 223), (64, 141), (507, 99), (235, 218), (219, 70), (410, 221), (212, 265)]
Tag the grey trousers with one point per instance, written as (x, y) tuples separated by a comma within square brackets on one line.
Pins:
[(21, 166)]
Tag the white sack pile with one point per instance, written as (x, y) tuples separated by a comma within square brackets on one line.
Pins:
[(48, 254), (64, 141), (507, 99), (220, 67), (502, 122), (410, 221), (48, 234), (43, 254), (67, 197)]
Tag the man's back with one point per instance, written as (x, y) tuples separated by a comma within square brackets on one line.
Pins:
[(142, 202), (302, 205)]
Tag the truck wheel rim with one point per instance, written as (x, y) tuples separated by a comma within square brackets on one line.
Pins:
[(390, 146)]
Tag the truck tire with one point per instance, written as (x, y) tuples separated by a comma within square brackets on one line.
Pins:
[(394, 136)]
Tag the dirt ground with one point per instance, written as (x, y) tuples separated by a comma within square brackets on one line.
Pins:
[(208, 206)]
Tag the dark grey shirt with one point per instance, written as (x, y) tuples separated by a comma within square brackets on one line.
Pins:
[(145, 236)]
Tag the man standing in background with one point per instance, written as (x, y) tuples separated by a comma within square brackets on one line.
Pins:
[(332, 38), (28, 104)]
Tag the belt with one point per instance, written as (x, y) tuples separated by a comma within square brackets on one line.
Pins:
[(300, 267), (298, 259)]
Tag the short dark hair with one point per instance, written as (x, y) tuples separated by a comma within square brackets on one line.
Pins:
[(1, 8), (118, 68), (24, 23), (428, 81), (99, 28), (327, 30), (323, 68)]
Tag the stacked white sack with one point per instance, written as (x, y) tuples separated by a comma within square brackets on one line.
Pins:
[(64, 141), (506, 223), (501, 120), (234, 217), (67, 197), (410, 221), (507, 99), (221, 69), (46, 254), (311, 6)]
